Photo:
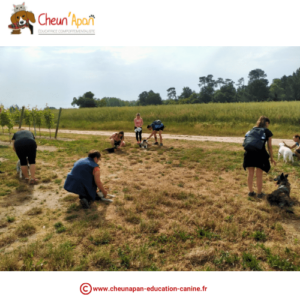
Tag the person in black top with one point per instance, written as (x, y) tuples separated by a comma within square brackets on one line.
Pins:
[(259, 159), (25, 147)]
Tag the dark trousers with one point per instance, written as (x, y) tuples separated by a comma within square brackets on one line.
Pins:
[(138, 135), (26, 148)]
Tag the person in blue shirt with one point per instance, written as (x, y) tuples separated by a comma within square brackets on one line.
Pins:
[(156, 126), (84, 179), (296, 139)]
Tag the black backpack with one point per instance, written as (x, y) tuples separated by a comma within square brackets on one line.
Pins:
[(255, 139)]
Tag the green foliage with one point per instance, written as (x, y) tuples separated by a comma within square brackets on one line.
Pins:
[(27, 117), (250, 262), (86, 100), (259, 236), (149, 98), (49, 119)]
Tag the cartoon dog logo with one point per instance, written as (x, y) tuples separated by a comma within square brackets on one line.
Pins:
[(20, 19)]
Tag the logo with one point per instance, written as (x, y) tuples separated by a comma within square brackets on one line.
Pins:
[(21, 19), (85, 289), (65, 25)]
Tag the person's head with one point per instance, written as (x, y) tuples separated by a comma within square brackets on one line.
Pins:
[(149, 127), (138, 115), (95, 155), (121, 134), (296, 138), (20, 129), (263, 122)]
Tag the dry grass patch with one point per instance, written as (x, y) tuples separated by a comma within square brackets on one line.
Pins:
[(34, 211), (25, 230)]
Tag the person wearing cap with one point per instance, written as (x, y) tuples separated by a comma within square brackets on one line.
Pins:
[(156, 127)]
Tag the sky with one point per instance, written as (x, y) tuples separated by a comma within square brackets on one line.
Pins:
[(36, 76)]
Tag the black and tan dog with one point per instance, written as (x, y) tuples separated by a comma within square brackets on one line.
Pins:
[(281, 196), (21, 20)]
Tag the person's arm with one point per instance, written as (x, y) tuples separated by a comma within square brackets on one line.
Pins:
[(271, 150), (112, 137), (122, 140), (291, 147), (151, 134), (13, 145), (142, 122), (99, 183)]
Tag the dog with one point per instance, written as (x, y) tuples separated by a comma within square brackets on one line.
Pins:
[(281, 196), (19, 170), (21, 20), (285, 152), (144, 144)]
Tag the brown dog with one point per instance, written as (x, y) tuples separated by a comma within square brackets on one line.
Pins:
[(21, 20)]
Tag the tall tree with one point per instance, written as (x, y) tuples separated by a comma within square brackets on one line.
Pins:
[(186, 93), (276, 91), (202, 81), (149, 98), (256, 75), (220, 82), (172, 93), (86, 100)]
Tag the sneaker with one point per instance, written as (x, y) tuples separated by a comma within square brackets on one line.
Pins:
[(252, 194), (156, 143), (261, 195), (161, 144), (84, 203)]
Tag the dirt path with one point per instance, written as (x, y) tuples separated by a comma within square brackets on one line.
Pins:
[(236, 140)]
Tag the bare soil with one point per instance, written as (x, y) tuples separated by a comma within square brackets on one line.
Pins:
[(199, 138)]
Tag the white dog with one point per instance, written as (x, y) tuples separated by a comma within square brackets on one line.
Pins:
[(285, 152), (19, 170)]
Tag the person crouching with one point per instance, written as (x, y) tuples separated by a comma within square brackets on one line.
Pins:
[(84, 179)]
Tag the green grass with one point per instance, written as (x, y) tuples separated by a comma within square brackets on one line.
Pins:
[(232, 119)]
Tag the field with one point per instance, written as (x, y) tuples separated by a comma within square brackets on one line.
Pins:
[(183, 206), (195, 119)]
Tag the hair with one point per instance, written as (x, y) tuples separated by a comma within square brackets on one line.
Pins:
[(261, 122), (297, 136), (20, 129), (94, 153), (138, 114), (121, 132), (149, 126)]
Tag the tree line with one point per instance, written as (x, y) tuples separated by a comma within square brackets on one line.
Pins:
[(211, 90)]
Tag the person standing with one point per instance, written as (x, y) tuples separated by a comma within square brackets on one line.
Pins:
[(25, 147), (156, 127), (138, 123), (84, 179), (259, 159)]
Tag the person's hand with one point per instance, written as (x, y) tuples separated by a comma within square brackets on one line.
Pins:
[(284, 143), (104, 194), (273, 161)]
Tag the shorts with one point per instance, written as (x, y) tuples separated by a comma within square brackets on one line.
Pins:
[(162, 128), (26, 148), (117, 143)]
